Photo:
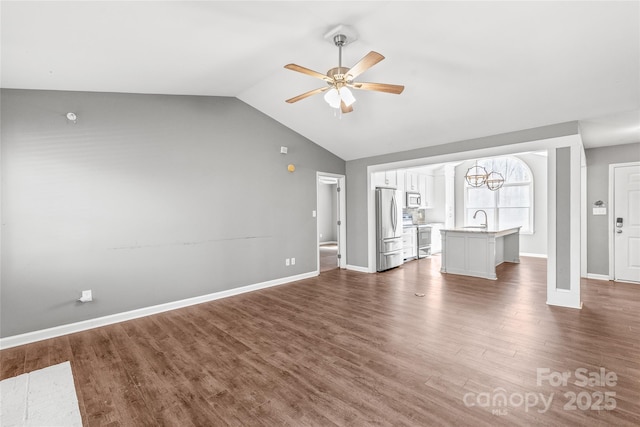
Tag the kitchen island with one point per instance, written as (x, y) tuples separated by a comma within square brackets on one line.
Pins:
[(476, 251)]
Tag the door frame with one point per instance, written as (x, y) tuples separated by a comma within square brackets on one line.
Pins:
[(612, 258), (342, 217)]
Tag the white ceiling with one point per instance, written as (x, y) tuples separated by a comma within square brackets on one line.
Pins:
[(471, 69)]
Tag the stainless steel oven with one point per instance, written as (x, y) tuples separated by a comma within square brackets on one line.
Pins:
[(424, 241)]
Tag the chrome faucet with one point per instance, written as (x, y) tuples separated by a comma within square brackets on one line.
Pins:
[(485, 217)]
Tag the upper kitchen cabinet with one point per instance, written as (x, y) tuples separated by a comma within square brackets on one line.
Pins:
[(385, 179), (411, 181), (400, 176), (426, 190)]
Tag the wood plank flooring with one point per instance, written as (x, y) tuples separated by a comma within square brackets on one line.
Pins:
[(349, 348)]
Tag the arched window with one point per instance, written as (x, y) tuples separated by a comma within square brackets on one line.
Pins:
[(509, 206)]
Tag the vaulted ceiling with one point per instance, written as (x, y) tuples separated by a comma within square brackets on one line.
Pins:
[(471, 69)]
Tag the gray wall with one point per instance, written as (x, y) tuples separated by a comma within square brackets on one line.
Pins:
[(598, 161), (563, 218), (357, 236), (327, 212), (147, 199), (535, 243)]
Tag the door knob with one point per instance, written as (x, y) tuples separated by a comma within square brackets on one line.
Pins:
[(618, 231)]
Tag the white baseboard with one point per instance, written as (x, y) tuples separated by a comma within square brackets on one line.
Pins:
[(358, 268), (597, 276), (533, 255), (30, 337), (564, 298)]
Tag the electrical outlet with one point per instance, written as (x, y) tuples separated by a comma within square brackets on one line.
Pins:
[(287, 262), (293, 261)]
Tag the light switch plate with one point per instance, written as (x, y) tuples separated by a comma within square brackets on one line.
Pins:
[(599, 211)]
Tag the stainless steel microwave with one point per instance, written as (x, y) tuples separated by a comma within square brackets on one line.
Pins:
[(413, 199)]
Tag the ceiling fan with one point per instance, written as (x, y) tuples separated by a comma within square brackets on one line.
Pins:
[(339, 79)]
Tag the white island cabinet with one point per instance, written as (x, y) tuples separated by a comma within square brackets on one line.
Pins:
[(475, 251)]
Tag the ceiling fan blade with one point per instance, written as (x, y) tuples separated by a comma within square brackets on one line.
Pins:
[(369, 60), (344, 108), (379, 87), (308, 72), (307, 94)]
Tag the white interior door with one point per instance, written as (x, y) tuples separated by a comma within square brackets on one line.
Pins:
[(338, 204), (626, 217)]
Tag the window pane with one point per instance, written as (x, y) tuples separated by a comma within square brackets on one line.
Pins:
[(512, 169), (516, 171), (480, 197), (514, 217), (514, 196)]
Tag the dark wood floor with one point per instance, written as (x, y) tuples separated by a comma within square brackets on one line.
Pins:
[(350, 348)]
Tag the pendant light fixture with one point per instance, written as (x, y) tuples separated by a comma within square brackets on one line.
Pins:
[(477, 176), (494, 180)]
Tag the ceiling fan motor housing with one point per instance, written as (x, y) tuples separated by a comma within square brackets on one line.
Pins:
[(340, 39), (339, 76)]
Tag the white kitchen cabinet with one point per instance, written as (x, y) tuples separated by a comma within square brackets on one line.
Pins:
[(436, 238), (426, 189), (412, 181), (477, 252), (378, 179), (409, 242), (400, 178), (385, 179)]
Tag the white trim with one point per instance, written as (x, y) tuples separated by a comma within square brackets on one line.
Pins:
[(84, 325), (533, 255), (563, 298), (342, 217), (612, 259), (551, 221), (627, 281), (583, 213), (569, 298), (611, 211), (597, 276), (358, 268)]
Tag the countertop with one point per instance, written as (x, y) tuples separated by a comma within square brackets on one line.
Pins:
[(497, 232)]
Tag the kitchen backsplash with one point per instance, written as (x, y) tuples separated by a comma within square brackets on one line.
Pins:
[(420, 216)]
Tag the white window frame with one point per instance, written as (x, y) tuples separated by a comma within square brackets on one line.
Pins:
[(495, 207)]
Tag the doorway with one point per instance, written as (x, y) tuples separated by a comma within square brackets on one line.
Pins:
[(331, 235), (624, 242)]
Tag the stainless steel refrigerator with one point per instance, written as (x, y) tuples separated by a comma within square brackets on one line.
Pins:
[(388, 230)]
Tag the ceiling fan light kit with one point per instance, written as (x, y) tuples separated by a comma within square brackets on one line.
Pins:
[(340, 79)]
